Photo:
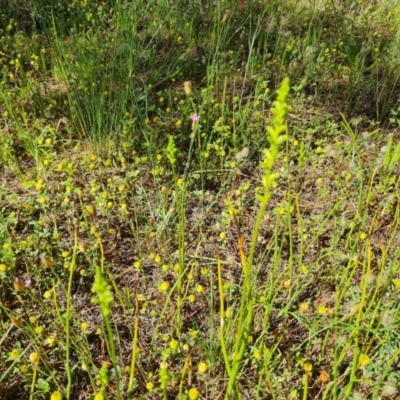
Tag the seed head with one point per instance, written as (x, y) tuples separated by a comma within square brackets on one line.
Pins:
[(187, 86)]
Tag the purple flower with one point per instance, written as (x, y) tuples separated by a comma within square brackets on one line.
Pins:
[(195, 117), (20, 284)]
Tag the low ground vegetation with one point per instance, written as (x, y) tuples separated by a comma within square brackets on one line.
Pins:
[(199, 200)]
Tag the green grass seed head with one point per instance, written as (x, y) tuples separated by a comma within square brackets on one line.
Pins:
[(104, 295), (275, 138)]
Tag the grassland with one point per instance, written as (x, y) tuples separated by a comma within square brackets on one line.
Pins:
[(199, 200)]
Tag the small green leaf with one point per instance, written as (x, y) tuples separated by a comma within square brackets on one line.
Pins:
[(43, 385), (397, 283), (323, 192)]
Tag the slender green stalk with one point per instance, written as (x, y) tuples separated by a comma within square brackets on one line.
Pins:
[(222, 318), (246, 310), (180, 204), (134, 345), (180, 196), (306, 378), (185, 368), (34, 376), (9, 329), (105, 299), (69, 314), (356, 328)]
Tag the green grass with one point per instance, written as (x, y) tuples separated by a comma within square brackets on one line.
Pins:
[(173, 225)]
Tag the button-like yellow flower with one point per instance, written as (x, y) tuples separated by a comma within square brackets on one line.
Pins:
[(364, 360), (56, 396), (14, 354), (193, 394), (202, 368), (164, 286)]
